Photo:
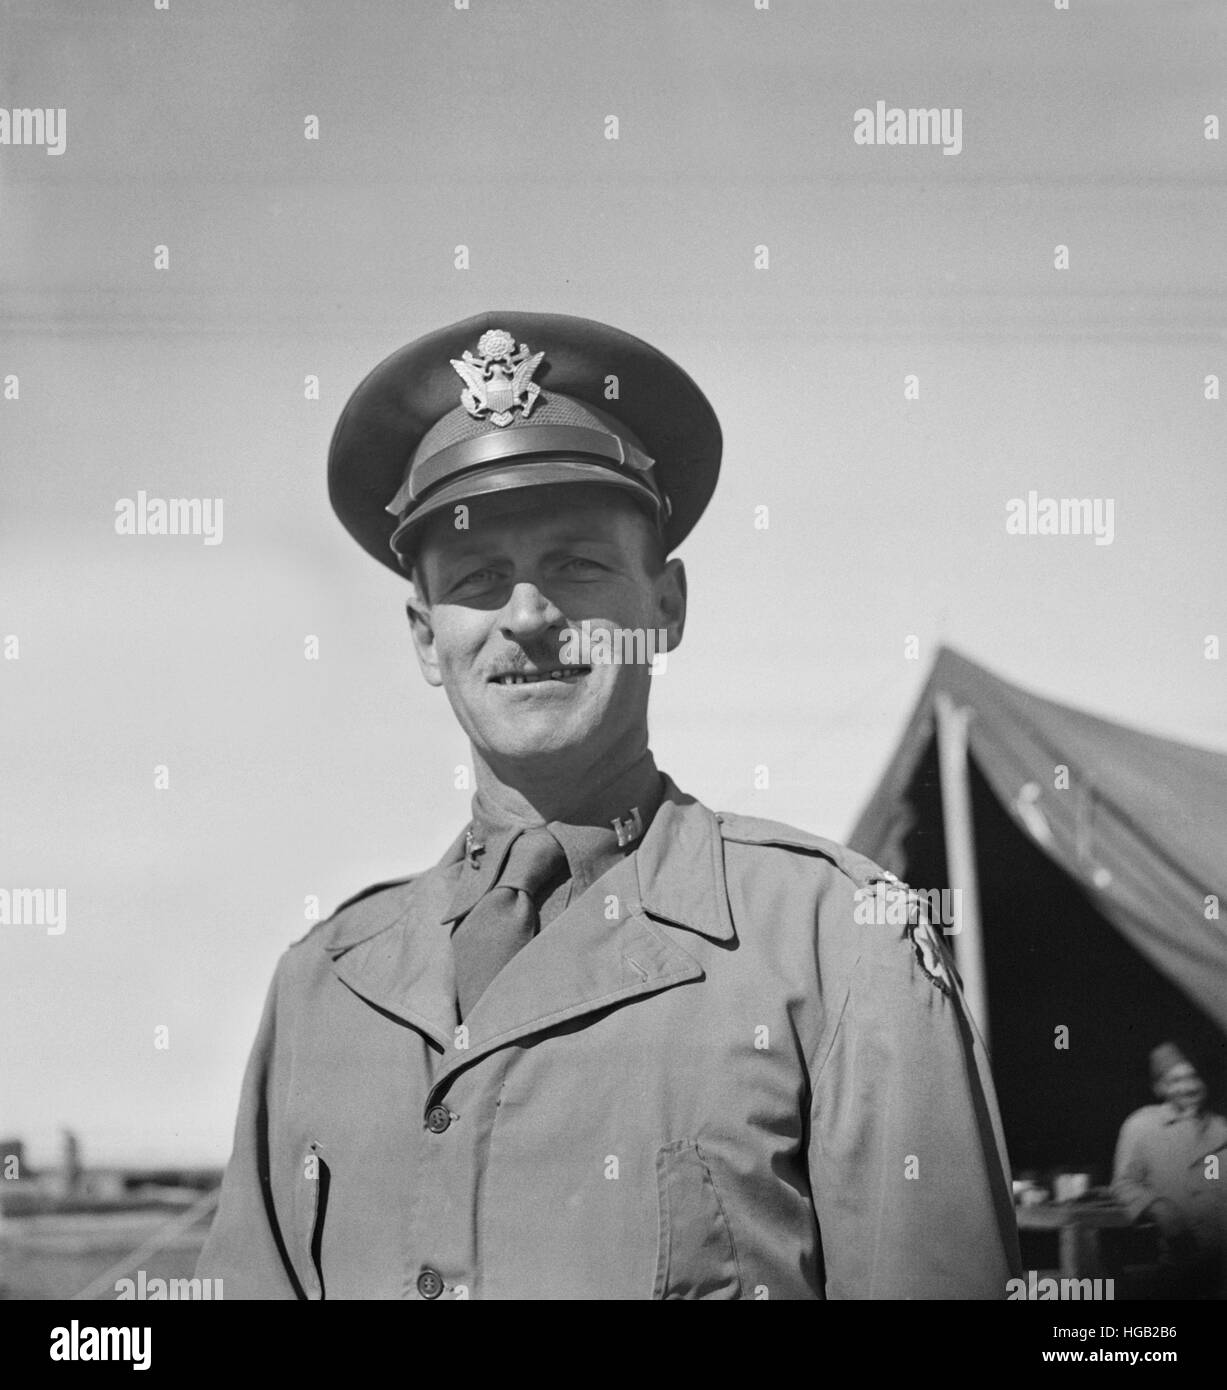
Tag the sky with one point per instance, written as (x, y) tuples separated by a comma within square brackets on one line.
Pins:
[(808, 638)]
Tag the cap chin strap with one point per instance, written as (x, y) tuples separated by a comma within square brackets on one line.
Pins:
[(406, 557)]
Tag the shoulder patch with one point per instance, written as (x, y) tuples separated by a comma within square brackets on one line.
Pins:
[(367, 924), (885, 901)]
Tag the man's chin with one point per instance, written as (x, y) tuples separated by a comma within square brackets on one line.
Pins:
[(532, 746), (535, 734)]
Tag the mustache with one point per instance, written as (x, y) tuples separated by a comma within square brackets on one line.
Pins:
[(520, 660)]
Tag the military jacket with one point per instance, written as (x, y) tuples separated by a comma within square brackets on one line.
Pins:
[(719, 1073)]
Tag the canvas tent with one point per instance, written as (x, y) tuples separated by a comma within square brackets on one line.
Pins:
[(1091, 861)]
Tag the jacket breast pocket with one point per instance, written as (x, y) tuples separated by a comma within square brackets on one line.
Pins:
[(696, 1256), (310, 1209)]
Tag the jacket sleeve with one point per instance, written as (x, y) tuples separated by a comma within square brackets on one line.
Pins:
[(245, 1249), (908, 1166), (1130, 1174)]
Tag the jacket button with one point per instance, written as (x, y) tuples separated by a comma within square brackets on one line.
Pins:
[(430, 1283), (438, 1119)]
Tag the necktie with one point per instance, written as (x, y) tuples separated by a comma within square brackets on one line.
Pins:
[(505, 917)]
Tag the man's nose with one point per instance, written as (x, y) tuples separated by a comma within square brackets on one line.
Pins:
[(528, 614)]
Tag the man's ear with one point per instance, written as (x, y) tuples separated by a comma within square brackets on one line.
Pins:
[(671, 601), (422, 630)]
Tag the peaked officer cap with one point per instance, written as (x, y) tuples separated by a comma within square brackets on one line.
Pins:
[(512, 400)]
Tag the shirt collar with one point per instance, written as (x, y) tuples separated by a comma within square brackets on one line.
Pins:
[(588, 837)]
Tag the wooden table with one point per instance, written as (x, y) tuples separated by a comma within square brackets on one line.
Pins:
[(1079, 1225)]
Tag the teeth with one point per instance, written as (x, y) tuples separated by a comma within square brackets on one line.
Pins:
[(528, 680)]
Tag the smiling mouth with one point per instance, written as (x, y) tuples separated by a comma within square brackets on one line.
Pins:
[(567, 675)]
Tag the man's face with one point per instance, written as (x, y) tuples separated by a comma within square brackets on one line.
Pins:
[(1182, 1087), (500, 600)]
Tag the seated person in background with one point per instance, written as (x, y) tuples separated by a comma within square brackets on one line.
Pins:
[(1169, 1169)]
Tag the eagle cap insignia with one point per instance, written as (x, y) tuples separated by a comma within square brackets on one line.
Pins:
[(498, 378)]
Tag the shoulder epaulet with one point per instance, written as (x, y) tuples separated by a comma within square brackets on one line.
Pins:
[(879, 893), (332, 920), (751, 830)]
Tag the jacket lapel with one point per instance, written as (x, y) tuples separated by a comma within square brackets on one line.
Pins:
[(394, 950)]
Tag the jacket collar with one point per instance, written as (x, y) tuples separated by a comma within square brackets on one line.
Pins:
[(374, 911), (612, 945), (590, 841), (680, 867), (481, 870)]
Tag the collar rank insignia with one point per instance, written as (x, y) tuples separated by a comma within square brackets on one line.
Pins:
[(473, 848), (498, 379), (628, 828)]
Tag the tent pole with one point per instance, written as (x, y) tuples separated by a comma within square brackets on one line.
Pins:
[(957, 824)]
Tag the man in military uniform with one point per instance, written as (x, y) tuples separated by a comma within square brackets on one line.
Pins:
[(1167, 1170), (614, 1045)]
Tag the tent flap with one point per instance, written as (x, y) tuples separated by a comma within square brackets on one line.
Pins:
[(1137, 821)]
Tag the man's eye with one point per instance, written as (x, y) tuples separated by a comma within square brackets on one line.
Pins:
[(477, 579), (580, 562)]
